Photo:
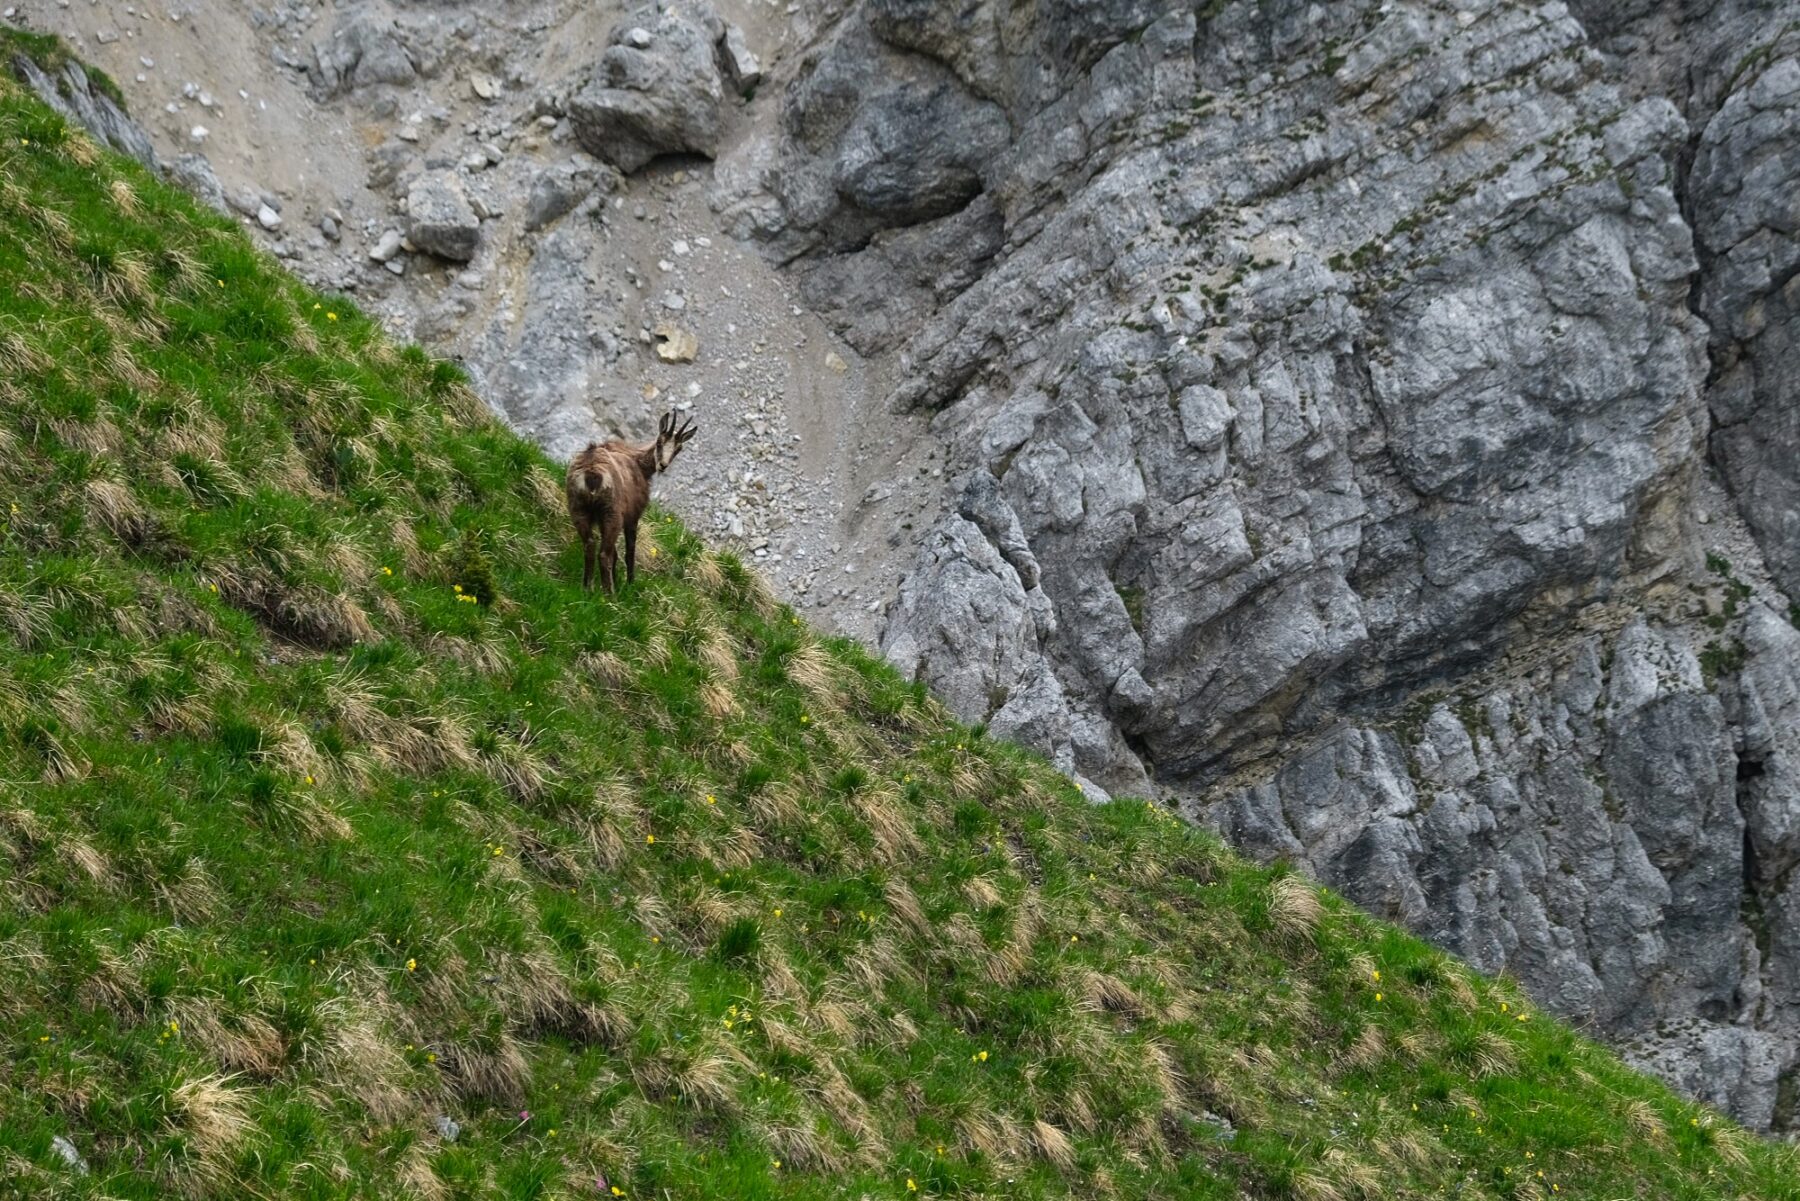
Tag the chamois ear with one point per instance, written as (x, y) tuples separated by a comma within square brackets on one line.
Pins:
[(666, 427), (688, 430)]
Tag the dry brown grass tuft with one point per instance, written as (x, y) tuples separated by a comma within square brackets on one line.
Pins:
[(718, 700), (1312, 1185), (705, 573), (1494, 1055), (903, 904), (1461, 991), (1053, 1145), (25, 617), (700, 1075), (241, 1044), (982, 892), (1294, 908), (812, 669), (1642, 1117), (124, 195), (882, 810), (214, 1117), (1103, 993), (193, 896), (775, 806), (1369, 1049), (84, 858), (718, 653), (495, 1070), (1160, 1070), (111, 506), (19, 357), (516, 767), (80, 148), (607, 669), (417, 1178), (1360, 1178)]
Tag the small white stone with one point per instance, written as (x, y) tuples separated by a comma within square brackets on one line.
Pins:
[(268, 218), (681, 248), (199, 133), (387, 247)]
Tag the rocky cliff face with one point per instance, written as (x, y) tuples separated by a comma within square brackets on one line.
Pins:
[(1371, 426), (1371, 423)]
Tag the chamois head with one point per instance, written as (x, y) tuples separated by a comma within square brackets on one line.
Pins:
[(670, 440)]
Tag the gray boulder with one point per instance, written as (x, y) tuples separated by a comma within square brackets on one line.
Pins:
[(656, 89), (439, 218), (363, 49), (558, 189), (194, 174), (740, 65)]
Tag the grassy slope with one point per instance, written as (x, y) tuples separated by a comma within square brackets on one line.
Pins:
[(299, 847)]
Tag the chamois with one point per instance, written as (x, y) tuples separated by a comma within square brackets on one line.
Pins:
[(608, 487)]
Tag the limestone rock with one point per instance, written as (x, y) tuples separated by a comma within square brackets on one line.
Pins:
[(73, 96), (742, 68), (675, 344), (1746, 176), (656, 89), (440, 220), (556, 190), (363, 49), (194, 174)]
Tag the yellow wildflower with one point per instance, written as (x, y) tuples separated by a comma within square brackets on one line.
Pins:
[(412, 965), (649, 838), (330, 316), (912, 1185)]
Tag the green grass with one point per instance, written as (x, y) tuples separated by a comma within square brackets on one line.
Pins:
[(329, 805)]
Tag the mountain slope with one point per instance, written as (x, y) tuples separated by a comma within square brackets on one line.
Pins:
[(336, 820)]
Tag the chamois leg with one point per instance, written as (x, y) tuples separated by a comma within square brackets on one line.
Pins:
[(609, 554), (584, 530), (631, 551)]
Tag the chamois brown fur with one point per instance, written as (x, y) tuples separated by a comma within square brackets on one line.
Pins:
[(608, 487)]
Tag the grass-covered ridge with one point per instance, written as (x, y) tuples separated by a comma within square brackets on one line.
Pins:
[(330, 808)]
